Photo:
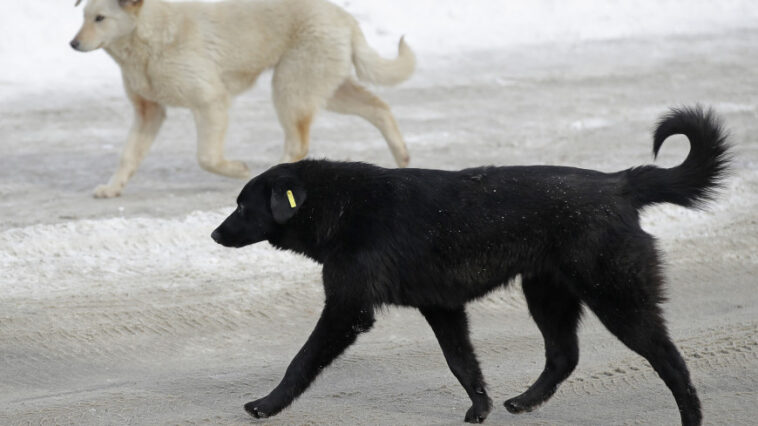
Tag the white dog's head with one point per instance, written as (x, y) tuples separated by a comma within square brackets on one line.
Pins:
[(104, 22)]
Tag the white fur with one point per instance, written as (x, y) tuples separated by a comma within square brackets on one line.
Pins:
[(199, 55)]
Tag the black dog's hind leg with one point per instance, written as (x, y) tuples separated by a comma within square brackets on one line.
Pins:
[(642, 329), (556, 312), (451, 328), (338, 327), (625, 297)]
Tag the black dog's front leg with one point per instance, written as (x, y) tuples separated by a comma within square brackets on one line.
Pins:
[(337, 329), (451, 328)]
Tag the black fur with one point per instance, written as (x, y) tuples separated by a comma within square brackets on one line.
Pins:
[(437, 239)]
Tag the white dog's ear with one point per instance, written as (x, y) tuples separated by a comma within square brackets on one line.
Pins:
[(131, 6), (77, 3), (129, 3)]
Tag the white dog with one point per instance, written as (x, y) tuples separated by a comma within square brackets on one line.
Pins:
[(199, 55)]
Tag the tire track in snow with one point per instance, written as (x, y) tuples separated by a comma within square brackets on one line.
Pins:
[(732, 347)]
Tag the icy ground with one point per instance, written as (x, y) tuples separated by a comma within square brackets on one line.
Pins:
[(124, 311)]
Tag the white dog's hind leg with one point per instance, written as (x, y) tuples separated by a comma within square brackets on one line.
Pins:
[(212, 121), (305, 77), (295, 115), (352, 98), (296, 137), (148, 117)]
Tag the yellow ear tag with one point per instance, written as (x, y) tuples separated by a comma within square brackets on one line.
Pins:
[(291, 198)]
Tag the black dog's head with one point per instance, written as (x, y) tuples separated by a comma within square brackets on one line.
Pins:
[(267, 202)]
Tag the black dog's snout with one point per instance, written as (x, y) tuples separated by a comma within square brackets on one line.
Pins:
[(75, 44), (216, 235)]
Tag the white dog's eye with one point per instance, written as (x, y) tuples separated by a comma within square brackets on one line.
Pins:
[(99, 18)]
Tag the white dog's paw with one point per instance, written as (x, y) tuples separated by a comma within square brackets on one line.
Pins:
[(403, 160), (106, 191), (237, 169)]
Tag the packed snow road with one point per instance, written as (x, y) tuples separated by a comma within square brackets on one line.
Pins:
[(124, 311)]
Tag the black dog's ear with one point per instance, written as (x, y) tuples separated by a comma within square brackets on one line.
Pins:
[(287, 196)]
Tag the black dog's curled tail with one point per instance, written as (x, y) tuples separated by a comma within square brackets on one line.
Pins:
[(692, 183)]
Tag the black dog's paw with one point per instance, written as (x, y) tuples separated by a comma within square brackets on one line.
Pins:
[(262, 408), (478, 412), (475, 416), (518, 406)]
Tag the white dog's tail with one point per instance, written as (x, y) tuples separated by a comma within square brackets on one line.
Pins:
[(373, 68)]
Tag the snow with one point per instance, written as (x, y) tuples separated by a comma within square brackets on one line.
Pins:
[(34, 35), (451, 26), (44, 259), (125, 310)]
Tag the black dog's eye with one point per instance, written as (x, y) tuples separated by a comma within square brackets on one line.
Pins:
[(99, 18)]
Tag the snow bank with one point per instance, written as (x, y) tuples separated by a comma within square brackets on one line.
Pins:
[(83, 255), (34, 35), (448, 26)]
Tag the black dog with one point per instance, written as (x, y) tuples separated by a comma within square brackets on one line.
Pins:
[(438, 239)]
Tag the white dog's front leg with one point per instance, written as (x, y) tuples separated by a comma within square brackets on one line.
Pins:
[(148, 117), (211, 121)]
